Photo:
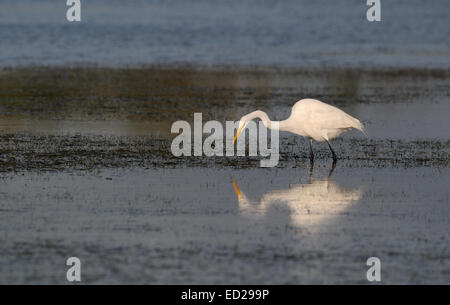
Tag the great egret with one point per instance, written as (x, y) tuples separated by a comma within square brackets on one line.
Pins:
[(309, 118)]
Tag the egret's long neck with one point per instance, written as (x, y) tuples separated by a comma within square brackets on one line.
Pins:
[(281, 125)]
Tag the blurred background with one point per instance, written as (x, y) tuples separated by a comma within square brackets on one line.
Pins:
[(288, 33)]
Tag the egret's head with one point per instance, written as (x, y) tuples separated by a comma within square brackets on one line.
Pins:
[(242, 123)]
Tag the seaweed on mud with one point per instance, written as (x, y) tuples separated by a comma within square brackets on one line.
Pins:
[(25, 152)]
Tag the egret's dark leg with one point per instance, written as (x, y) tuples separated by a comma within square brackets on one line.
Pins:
[(311, 158), (332, 151), (311, 169), (311, 154), (332, 169)]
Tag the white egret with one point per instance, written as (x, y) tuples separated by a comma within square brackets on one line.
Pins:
[(312, 119)]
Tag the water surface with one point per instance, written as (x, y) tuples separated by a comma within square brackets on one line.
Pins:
[(162, 226), (289, 33)]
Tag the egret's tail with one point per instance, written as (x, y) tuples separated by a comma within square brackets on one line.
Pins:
[(361, 128)]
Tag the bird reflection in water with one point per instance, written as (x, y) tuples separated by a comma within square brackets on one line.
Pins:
[(308, 203)]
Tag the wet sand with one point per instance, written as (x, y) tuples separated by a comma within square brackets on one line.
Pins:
[(86, 171)]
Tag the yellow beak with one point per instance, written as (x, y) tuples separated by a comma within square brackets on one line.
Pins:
[(237, 133), (236, 189)]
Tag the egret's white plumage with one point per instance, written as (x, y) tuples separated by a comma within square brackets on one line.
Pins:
[(310, 118)]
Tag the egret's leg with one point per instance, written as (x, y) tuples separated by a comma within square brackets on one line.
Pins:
[(311, 154), (311, 169), (332, 151), (332, 168)]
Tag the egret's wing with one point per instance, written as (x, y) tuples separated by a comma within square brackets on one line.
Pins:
[(330, 118)]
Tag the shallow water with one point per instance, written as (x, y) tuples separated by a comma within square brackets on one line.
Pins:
[(162, 226), (291, 33), (397, 104)]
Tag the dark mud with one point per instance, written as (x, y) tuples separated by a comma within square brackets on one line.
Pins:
[(220, 93), (86, 118), (27, 152)]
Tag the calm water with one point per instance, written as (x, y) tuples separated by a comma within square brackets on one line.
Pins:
[(393, 104), (162, 226), (281, 33)]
